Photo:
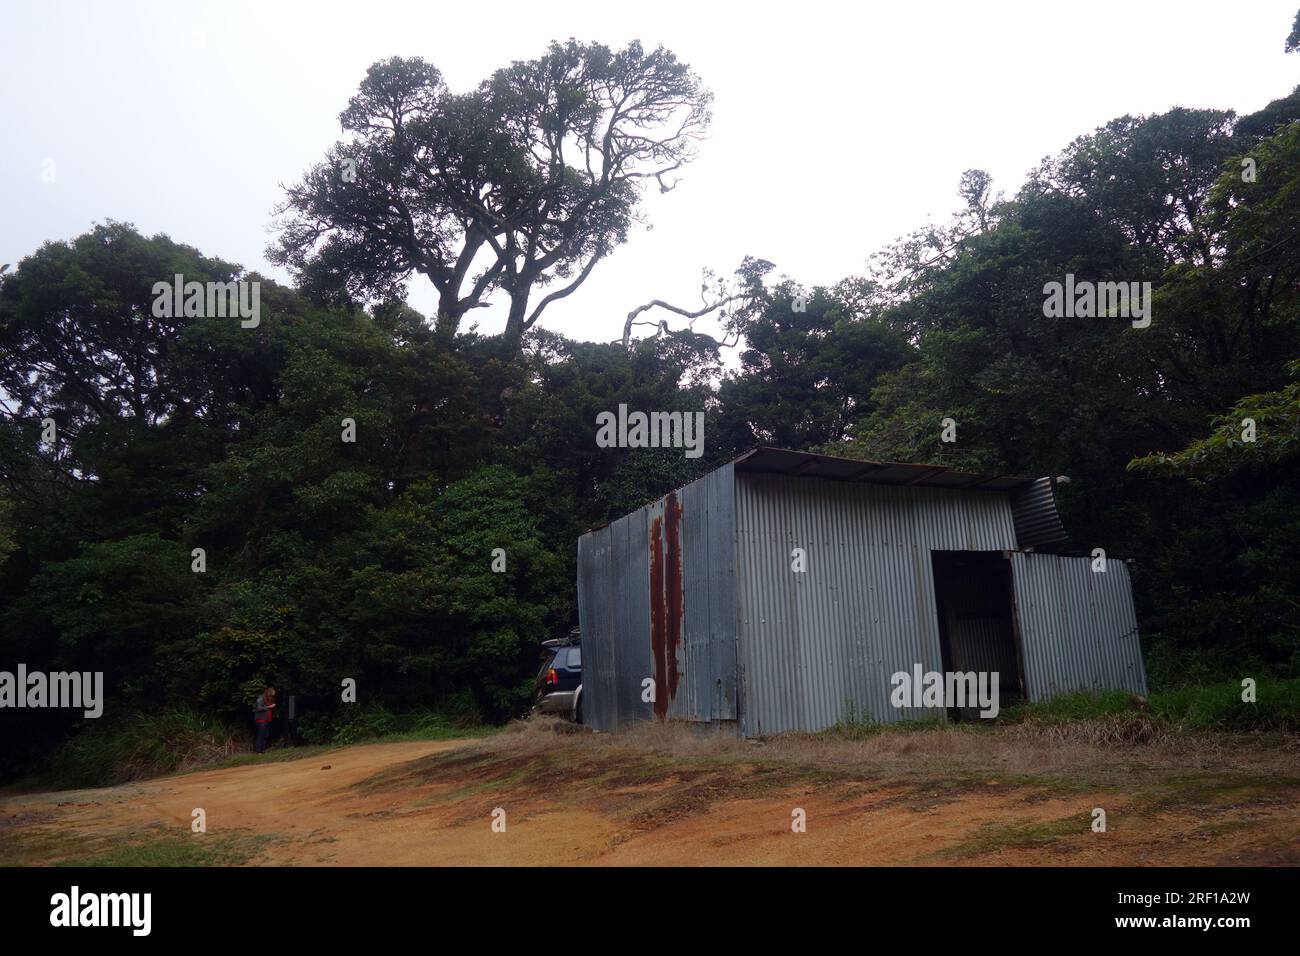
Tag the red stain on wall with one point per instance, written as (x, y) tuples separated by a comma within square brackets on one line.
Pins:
[(657, 629), (666, 601)]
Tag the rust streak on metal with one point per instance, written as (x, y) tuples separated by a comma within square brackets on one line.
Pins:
[(666, 602), (673, 590), (657, 629)]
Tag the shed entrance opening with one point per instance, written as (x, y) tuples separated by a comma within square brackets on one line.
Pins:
[(977, 628)]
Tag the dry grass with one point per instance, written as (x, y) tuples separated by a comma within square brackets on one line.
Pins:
[(1107, 752)]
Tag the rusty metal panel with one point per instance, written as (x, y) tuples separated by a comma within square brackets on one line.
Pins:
[(666, 594), (669, 572), (821, 645), (1078, 628)]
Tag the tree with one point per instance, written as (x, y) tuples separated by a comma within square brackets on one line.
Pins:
[(1150, 176), (1272, 421), (976, 191), (535, 177), (806, 374), (551, 427), (8, 535), (140, 402), (1259, 274), (733, 298)]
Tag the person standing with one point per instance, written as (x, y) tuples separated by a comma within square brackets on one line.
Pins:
[(263, 712)]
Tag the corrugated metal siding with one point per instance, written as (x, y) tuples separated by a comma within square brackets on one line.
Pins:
[(631, 636), (596, 614), (708, 690), (1038, 524), (1078, 628), (981, 644), (720, 502), (817, 645), (616, 589)]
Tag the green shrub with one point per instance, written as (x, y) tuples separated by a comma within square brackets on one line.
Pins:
[(1220, 707), (149, 745), (356, 723), (1078, 705), (1206, 707), (142, 745), (1117, 715)]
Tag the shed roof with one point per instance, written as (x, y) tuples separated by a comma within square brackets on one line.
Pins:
[(1038, 525), (782, 461)]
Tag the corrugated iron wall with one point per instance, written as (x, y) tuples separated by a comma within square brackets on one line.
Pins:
[(656, 599), (1038, 523), (1078, 628), (817, 645), (596, 606), (708, 522)]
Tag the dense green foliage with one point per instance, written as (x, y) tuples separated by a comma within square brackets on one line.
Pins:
[(1114, 716), (1198, 707), (328, 559), (136, 746)]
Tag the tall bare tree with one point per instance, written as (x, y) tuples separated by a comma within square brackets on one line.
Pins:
[(524, 184)]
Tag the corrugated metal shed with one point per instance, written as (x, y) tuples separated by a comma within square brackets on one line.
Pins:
[(696, 593)]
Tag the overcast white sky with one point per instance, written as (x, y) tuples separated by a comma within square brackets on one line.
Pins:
[(837, 126)]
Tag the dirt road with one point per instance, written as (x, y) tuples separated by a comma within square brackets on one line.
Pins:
[(582, 800)]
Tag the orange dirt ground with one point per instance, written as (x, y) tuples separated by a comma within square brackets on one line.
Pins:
[(431, 803)]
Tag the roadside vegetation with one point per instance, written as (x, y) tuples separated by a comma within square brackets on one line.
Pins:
[(177, 741), (1116, 716)]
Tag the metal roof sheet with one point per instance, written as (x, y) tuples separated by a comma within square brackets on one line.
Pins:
[(782, 461)]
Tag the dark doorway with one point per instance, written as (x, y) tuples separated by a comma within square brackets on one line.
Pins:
[(977, 630)]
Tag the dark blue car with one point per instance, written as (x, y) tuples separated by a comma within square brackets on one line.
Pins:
[(559, 682)]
